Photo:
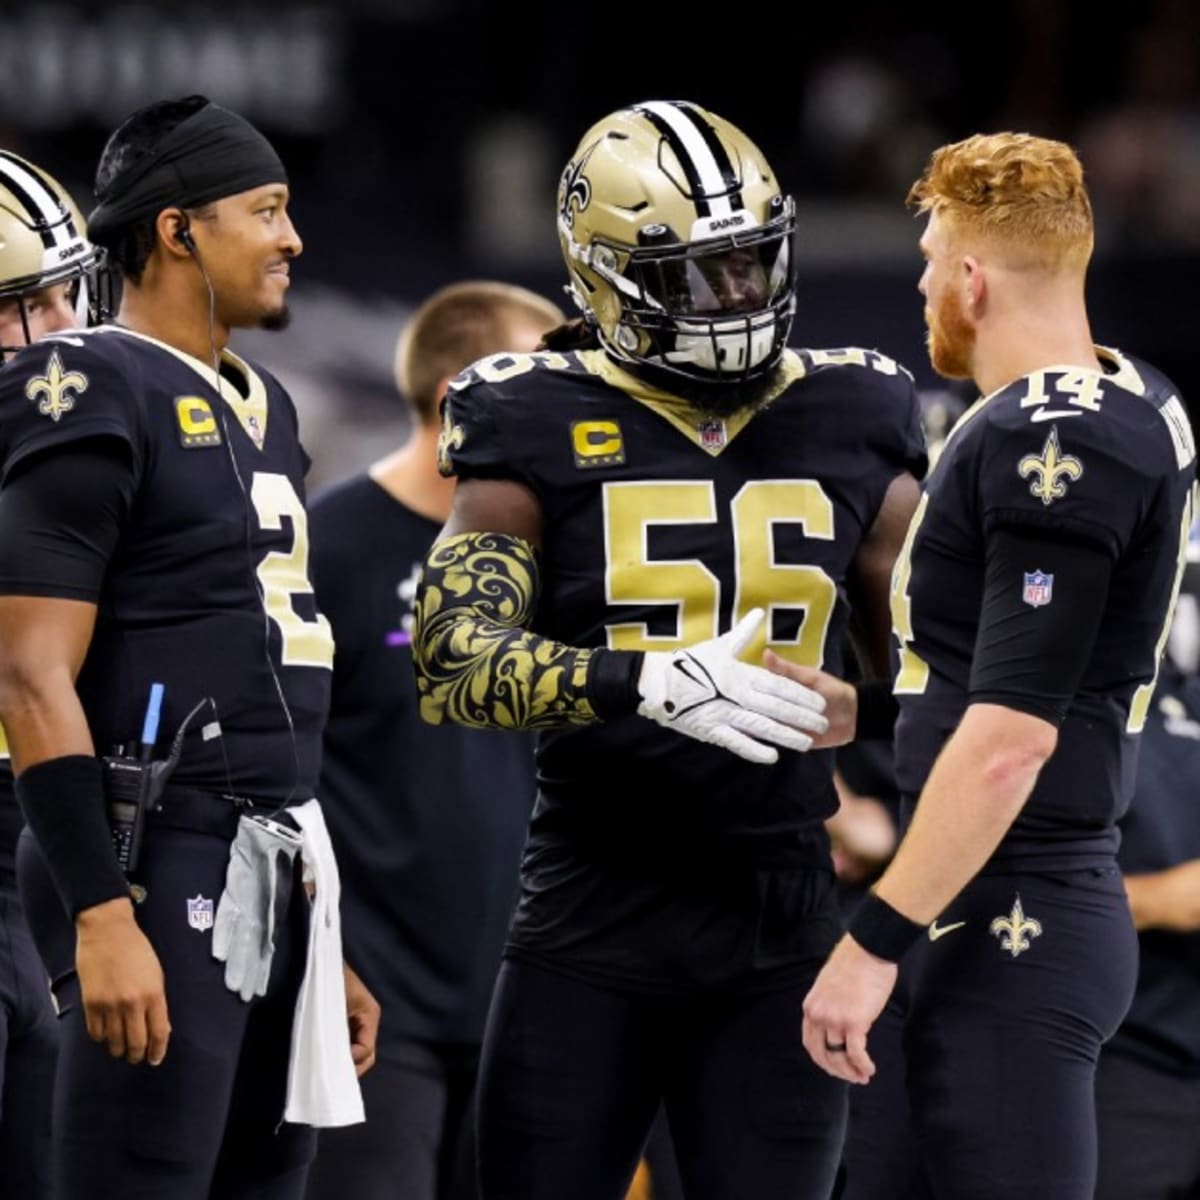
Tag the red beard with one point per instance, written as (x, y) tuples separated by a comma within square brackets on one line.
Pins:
[(951, 338)]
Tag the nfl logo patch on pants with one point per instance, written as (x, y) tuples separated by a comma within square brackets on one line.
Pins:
[(1039, 588), (200, 913)]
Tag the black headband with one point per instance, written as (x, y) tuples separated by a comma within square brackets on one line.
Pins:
[(212, 154)]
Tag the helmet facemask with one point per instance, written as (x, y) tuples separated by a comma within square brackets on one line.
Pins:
[(716, 310), (85, 289)]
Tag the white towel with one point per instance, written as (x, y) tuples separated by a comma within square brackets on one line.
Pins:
[(322, 1086)]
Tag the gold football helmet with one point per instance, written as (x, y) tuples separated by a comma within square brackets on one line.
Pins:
[(677, 240), (43, 242)]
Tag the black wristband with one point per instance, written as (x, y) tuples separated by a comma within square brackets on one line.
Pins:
[(879, 929), (612, 683), (62, 801), (878, 710)]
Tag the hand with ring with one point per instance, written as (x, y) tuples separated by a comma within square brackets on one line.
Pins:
[(843, 1004)]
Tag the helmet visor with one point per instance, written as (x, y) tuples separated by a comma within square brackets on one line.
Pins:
[(702, 281)]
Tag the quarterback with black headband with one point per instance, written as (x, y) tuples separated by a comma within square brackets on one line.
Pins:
[(630, 506), (155, 550)]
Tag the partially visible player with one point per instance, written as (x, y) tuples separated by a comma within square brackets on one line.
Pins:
[(1148, 1081), (624, 514), (46, 279), (47, 266)]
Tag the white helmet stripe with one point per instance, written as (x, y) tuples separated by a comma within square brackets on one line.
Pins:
[(703, 161), (41, 202)]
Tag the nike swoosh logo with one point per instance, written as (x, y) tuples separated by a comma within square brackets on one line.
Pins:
[(935, 932), (1052, 414)]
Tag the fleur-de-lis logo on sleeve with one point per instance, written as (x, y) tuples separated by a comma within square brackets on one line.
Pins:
[(52, 391), (1015, 930), (1050, 470)]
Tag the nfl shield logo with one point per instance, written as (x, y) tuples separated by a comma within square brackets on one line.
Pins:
[(200, 913), (712, 435), (1039, 588)]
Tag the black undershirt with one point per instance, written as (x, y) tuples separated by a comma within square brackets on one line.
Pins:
[(60, 517)]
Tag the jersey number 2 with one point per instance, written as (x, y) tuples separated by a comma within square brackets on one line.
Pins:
[(283, 576)]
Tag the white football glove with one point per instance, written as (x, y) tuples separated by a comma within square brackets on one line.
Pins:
[(707, 694)]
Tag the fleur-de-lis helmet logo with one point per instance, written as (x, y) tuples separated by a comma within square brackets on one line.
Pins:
[(575, 190)]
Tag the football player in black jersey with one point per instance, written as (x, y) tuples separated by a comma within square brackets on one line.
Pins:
[(1031, 605), (625, 513), (153, 531), (47, 266), (47, 270)]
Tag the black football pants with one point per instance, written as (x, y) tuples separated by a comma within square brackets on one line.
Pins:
[(418, 1141), (987, 1063), (207, 1123), (28, 1047), (1148, 1120), (573, 1075)]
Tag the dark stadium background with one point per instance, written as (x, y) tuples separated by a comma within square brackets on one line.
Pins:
[(424, 138)]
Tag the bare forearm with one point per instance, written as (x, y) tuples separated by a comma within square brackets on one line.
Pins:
[(1168, 899), (43, 642), (974, 793), (1146, 900), (42, 716)]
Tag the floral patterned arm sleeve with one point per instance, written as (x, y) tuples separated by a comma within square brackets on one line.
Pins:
[(476, 662)]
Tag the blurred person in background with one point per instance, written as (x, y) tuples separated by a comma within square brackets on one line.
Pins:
[(1148, 1081), (47, 284), (427, 822)]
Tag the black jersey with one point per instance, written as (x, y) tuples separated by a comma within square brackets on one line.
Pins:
[(208, 590), (662, 526), (427, 821), (1104, 458)]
